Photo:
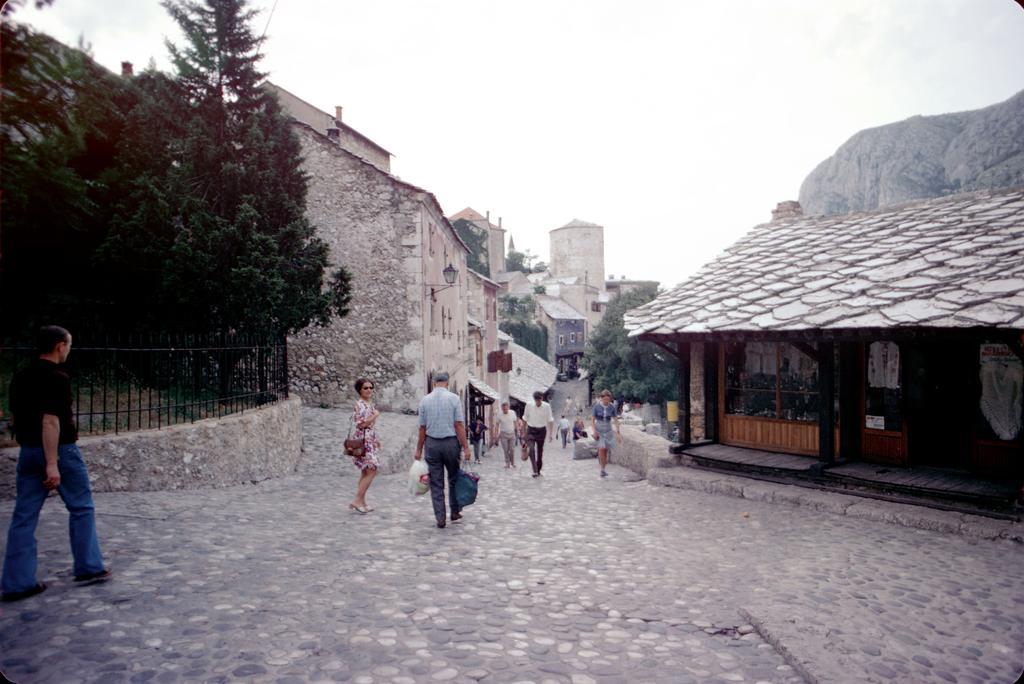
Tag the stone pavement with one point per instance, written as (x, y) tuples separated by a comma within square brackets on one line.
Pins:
[(567, 578)]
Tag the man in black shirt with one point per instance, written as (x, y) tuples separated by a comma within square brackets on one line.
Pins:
[(49, 459)]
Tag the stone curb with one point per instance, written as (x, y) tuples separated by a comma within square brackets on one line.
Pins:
[(906, 515), (800, 666)]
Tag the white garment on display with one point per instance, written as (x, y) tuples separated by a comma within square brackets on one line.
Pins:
[(884, 365), (1002, 383)]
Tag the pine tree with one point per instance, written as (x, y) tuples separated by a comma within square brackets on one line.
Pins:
[(244, 255)]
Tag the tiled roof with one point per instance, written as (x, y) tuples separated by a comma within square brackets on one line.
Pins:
[(483, 388), (469, 213), (558, 308), (474, 323), (537, 375), (576, 223), (953, 262)]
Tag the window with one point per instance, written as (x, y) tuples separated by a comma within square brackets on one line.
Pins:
[(572, 338), (882, 389), (561, 340), (579, 336), (770, 380), (595, 306)]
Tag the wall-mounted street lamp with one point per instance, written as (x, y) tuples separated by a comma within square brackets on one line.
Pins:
[(450, 274)]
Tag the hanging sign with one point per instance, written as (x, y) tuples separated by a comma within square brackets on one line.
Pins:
[(998, 353)]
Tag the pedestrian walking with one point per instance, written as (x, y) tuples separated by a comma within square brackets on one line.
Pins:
[(477, 435), (604, 418), (40, 400), (364, 418), (507, 429), (540, 423), (563, 430), (442, 431)]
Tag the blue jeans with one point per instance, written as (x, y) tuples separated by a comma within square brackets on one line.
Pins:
[(20, 557)]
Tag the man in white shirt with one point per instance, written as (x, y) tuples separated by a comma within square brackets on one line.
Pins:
[(563, 430), (539, 424), (507, 433)]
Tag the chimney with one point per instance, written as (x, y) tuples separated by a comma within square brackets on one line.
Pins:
[(488, 219), (499, 222), (337, 113), (787, 210), (127, 70)]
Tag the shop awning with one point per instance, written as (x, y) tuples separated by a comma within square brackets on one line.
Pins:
[(483, 388)]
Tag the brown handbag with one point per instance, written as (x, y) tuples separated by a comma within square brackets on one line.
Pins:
[(355, 448)]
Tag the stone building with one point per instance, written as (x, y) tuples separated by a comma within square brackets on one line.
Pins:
[(577, 262), (567, 329), (406, 321), (488, 380), (841, 342)]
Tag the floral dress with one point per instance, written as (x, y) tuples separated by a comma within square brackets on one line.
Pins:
[(368, 461)]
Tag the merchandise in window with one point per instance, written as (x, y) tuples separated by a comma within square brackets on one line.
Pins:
[(771, 380)]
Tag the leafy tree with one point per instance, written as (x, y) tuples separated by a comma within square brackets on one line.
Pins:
[(519, 261), (61, 118), (635, 371), (540, 267), (477, 243), (532, 336), (513, 308)]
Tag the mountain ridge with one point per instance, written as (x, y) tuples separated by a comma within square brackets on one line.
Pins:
[(921, 157)]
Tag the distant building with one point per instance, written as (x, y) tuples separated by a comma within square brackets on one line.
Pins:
[(567, 329), (617, 288)]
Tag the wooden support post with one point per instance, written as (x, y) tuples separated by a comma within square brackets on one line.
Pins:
[(711, 391), (684, 391), (849, 400), (826, 408)]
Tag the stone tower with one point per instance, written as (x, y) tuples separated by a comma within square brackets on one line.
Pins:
[(577, 249)]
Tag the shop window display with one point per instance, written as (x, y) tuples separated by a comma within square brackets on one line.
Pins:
[(882, 395), (771, 380)]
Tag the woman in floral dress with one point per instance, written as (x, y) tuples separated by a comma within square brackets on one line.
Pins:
[(364, 418)]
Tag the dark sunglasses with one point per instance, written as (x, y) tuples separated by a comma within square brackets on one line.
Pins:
[(367, 387)]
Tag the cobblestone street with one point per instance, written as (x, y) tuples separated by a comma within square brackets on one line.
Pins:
[(565, 578)]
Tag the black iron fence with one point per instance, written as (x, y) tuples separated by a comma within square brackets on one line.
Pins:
[(138, 382)]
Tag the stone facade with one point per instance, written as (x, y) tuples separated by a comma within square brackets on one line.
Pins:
[(245, 447), (404, 322), (577, 249)]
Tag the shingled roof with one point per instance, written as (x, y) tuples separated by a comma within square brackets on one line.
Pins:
[(953, 262), (559, 309), (532, 374)]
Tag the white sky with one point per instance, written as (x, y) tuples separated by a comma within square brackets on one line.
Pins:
[(676, 125)]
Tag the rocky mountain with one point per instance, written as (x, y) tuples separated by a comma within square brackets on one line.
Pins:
[(924, 156)]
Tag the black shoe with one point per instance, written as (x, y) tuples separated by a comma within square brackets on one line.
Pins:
[(456, 516), (441, 523), (19, 595), (92, 578), (536, 474)]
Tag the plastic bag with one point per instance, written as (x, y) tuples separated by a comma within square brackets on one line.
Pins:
[(418, 482), (466, 487)]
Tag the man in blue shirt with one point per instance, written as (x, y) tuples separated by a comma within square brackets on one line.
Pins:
[(442, 431)]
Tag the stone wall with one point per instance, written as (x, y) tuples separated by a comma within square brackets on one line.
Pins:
[(370, 225), (245, 447), (578, 251), (640, 451)]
